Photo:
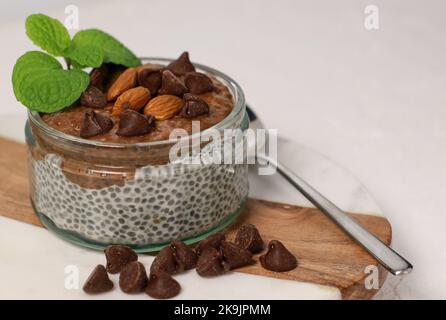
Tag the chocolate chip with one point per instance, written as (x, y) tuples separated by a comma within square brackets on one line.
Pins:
[(133, 123), (182, 65), (170, 84), (278, 258), (98, 76), (193, 106), (184, 255), (133, 277), (198, 83), (161, 285), (210, 263), (104, 121), (150, 78), (248, 237), (93, 97), (95, 123), (235, 256), (98, 281), (165, 261), (97, 79), (214, 240), (118, 256)]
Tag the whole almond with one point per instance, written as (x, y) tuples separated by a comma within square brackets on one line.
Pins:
[(124, 82), (164, 107), (134, 98)]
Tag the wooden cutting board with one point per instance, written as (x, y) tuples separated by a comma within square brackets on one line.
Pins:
[(326, 255)]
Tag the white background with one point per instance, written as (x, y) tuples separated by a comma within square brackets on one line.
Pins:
[(374, 101)]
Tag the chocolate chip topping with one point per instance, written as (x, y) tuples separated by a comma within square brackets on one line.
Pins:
[(98, 76), (133, 123), (98, 281), (248, 237), (161, 285), (97, 79), (170, 84), (93, 98), (95, 123), (235, 256), (193, 106), (182, 65), (210, 263), (133, 278), (278, 258), (104, 121), (118, 256), (198, 83), (150, 78), (184, 255), (165, 261), (214, 240)]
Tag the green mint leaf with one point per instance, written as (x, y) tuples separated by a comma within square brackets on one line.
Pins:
[(85, 55), (48, 33), (114, 51), (42, 85)]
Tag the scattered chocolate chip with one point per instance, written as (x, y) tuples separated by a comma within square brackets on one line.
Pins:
[(193, 106), (248, 237), (150, 78), (214, 240), (161, 285), (133, 123), (184, 255), (165, 261), (198, 83), (95, 123), (98, 281), (278, 258), (170, 84), (182, 65), (133, 277), (93, 98), (210, 263), (235, 256), (118, 256)]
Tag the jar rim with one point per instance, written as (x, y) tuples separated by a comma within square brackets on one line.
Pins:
[(239, 109)]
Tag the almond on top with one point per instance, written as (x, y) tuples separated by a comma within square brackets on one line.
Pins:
[(124, 82), (164, 107), (134, 98)]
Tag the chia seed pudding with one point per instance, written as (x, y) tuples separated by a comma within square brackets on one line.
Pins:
[(118, 185)]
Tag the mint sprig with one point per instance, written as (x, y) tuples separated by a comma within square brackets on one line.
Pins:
[(48, 33), (114, 51), (85, 55), (42, 84), (39, 80)]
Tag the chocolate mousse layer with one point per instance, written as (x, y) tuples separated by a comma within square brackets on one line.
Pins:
[(219, 100)]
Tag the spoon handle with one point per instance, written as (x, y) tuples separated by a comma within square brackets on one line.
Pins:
[(391, 260)]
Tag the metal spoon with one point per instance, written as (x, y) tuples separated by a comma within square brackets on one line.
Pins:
[(389, 258)]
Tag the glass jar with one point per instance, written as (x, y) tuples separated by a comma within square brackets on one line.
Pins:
[(95, 193)]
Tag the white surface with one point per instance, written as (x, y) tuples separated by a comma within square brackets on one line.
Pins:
[(374, 101), (36, 262)]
